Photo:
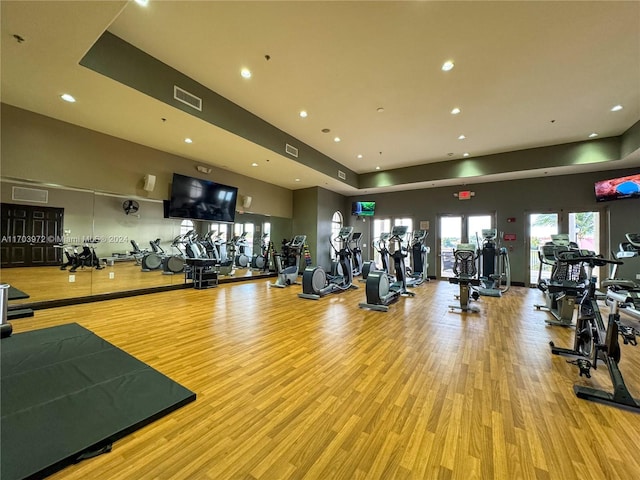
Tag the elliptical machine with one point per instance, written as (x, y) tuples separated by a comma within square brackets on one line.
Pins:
[(261, 261), (288, 274), (465, 270), (315, 281), (356, 252), (242, 260), (383, 251), (494, 265), (418, 272), (566, 283), (381, 291)]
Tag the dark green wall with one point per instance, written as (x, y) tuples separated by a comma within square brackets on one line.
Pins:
[(516, 199)]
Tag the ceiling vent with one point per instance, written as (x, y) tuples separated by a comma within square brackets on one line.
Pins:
[(291, 150), (187, 98), (342, 175), (30, 195)]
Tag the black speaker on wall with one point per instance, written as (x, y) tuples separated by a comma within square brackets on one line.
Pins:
[(165, 208)]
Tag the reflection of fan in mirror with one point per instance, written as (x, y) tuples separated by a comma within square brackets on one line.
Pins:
[(130, 206)]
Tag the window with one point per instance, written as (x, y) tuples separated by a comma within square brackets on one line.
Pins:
[(336, 225), (186, 226)]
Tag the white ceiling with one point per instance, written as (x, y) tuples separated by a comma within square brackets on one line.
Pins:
[(527, 74)]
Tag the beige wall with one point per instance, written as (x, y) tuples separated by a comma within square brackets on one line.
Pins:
[(44, 150)]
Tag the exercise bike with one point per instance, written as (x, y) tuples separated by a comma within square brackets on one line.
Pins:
[(494, 265), (80, 259), (566, 283), (465, 257), (286, 269), (315, 281), (381, 291), (596, 342), (628, 291)]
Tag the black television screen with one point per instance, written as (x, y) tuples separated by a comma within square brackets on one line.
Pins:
[(618, 188), (202, 199), (363, 209)]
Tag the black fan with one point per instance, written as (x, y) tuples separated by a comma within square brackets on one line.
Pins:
[(130, 206)]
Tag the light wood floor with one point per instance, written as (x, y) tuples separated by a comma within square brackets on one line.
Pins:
[(300, 389), (51, 283)]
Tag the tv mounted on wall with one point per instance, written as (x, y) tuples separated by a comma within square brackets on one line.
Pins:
[(618, 188), (202, 199), (363, 209)]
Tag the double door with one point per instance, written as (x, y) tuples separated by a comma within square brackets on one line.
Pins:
[(456, 229), (30, 235), (583, 228)]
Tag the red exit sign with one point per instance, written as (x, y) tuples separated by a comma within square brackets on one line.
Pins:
[(509, 237), (465, 195)]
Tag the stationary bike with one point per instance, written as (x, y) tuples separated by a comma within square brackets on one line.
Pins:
[(628, 291), (567, 281), (380, 289), (465, 270), (315, 281), (288, 274), (593, 341)]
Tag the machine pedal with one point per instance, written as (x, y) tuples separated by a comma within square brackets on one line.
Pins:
[(583, 365)]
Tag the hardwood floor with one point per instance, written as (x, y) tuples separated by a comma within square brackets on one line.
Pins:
[(51, 283), (300, 389)]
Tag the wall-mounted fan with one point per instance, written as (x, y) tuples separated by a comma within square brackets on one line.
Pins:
[(130, 206)]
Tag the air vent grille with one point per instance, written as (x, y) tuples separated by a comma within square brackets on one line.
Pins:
[(342, 175), (291, 150), (30, 195), (187, 98)]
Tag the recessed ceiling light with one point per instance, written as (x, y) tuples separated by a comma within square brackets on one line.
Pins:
[(188, 140), (336, 139), (245, 72), (617, 108), (359, 155), (378, 167), (380, 109), (254, 164), (461, 137), (297, 179), (67, 98), (142, 3), (325, 130), (446, 66), (455, 111), (303, 113), (465, 154), (593, 135)]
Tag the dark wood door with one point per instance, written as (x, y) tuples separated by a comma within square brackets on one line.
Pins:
[(29, 235)]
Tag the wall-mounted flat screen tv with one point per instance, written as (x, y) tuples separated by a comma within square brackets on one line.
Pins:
[(363, 209), (618, 188), (202, 199)]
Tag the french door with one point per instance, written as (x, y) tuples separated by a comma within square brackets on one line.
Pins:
[(455, 229), (584, 228)]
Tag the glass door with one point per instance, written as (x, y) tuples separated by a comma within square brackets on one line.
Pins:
[(584, 228), (541, 227), (450, 235), (380, 226)]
